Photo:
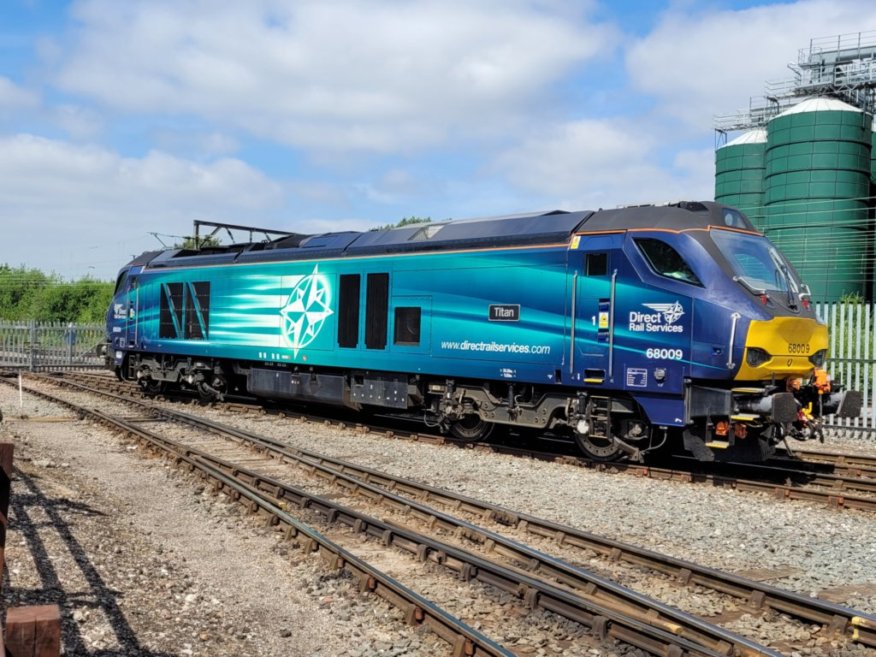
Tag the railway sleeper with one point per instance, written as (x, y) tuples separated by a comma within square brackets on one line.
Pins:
[(480, 574)]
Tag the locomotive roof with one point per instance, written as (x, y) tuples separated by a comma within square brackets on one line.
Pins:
[(545, 228), (685, 215)]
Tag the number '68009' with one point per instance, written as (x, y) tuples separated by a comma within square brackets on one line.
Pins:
[(667, 354)]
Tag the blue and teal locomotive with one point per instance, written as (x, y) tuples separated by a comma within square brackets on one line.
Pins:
[(628, 329)]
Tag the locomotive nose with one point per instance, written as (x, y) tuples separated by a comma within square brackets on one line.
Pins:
[(783, 347)]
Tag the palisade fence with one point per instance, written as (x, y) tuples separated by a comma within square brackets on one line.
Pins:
[(50, 345), (852, 355)]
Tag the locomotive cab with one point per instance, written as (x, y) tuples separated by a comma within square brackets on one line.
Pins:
[(709, 334)]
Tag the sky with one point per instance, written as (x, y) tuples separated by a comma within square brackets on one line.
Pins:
[(120, 120)]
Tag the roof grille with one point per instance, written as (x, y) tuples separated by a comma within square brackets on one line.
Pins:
[(692, 206)]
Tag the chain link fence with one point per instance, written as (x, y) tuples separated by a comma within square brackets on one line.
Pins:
[(38, 346)]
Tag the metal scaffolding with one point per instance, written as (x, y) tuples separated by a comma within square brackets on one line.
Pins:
[(842, 67)]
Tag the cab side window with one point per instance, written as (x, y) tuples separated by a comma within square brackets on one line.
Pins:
[(120, 282), (666, 261), (596, 264)]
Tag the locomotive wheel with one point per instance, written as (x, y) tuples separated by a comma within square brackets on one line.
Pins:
[(213, 392), (151, 386), (597, 448), (206, 394), (471, 429)]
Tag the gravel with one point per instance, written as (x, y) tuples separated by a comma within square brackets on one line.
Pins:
[(822, 548), (143, 562), (818, 550)]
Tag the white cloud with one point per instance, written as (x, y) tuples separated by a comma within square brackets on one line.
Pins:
[(191, 140), (698, 64), (88, 173), (692, 65), (397, 187), (78, 122), (14, 97), (59, 198), (347, 75), (588, 163)]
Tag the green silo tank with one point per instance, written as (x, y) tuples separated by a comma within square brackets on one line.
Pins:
[(872, 242), (816, 188), (739, 173), (873, 155)]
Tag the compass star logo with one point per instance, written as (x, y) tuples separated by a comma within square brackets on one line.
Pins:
[(306, 310), (672, 312)]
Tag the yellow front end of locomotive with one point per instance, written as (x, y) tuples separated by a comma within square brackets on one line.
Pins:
[(783, 347)]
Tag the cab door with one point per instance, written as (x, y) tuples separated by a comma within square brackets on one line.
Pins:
[(132, 309), (594, 281)]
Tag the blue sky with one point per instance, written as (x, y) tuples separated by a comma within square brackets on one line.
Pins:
[(119, 119)]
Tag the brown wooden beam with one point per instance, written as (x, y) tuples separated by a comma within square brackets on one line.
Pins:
[(33, 631)]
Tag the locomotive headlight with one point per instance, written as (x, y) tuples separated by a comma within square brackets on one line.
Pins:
[(757, 357), (818, 357)]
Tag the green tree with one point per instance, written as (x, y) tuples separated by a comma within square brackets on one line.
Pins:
[(82, 301), (19, 286), (406, 221), (203, 242), (31, 294)]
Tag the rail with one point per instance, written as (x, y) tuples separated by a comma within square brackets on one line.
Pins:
[(664, 631), (412, 497), (465, 640)]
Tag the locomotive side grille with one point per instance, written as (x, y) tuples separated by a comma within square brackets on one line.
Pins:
[(170, 322), (184, 311)]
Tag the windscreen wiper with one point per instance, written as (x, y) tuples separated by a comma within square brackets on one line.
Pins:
[(792, 302), (748, 286)]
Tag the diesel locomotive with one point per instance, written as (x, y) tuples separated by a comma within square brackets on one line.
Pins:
[(630, 330)]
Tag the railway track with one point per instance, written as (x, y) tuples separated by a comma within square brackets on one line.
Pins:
[(833, 479), (464, 640), (851, 465), (606, 609), (409, 499)]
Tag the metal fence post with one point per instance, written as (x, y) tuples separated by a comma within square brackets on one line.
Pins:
[(33, 336), (70, 339)]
